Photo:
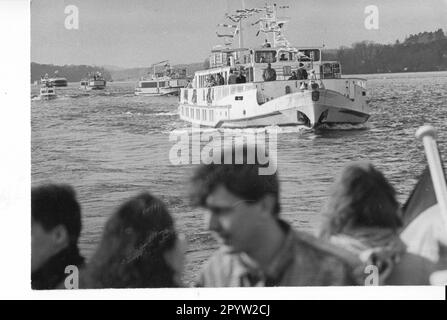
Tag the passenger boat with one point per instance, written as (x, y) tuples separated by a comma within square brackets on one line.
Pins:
[(55, 81), (47, 92), (58, 82), (167, 82), (96, 82), (324, 97)]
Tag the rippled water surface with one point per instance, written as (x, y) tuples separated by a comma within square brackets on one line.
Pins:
[(111, 144)]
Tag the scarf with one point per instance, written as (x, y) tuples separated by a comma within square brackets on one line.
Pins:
[(374, 246)]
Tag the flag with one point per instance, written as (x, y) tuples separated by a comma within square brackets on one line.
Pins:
[(424, 231), (421, 198)]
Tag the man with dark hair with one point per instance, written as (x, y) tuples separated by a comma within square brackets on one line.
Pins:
[(258, 248), (55, 230), (232, 77)]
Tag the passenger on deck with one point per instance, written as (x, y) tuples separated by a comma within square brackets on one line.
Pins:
[(362, 215), (55, 230), (232, 77), (258, 247), (302, 73), (269, 73), (241, 78), (140, 248), (313, 78), (293, 76), (220, 80), (210, 81), (266, 44)]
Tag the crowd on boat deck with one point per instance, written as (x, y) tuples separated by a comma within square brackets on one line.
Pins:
[(141, 247), (269, 74)]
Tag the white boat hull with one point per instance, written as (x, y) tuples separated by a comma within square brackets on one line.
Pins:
[(302, 107)]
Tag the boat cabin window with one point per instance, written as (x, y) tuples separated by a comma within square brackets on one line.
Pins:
[(308, 55), (265, 56), (330, 70), (148, 84)]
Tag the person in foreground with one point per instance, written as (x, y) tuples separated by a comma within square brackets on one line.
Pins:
[(258, 248), (55, 229), (362, 216), (139, 248)]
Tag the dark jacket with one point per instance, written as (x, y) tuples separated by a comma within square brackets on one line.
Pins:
[(302, 74), (269, 74), (52, 273), (241, 79)]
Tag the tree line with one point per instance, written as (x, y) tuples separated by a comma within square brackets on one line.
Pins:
[(72, 73), (425, 51)]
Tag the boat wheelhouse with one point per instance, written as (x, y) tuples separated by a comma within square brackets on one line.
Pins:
[(320, 95), (166, 82), (84, 83)]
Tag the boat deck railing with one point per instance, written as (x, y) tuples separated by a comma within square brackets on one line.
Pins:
[(205, 96), (211, 95)]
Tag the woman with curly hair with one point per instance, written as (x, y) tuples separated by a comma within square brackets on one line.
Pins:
[(362, 215), (139, 248)]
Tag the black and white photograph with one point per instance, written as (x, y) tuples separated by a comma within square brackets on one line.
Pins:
[(236, 143)]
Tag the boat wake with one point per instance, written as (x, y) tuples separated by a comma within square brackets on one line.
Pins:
[(244, 131), (164, 114), (343, 127)]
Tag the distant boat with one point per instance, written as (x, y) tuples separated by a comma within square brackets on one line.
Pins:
[(55, 81), (47, 92), (167, 82), (58, 82), (95, 82)]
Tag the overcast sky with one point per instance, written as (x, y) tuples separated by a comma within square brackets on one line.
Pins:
[(137, 33)]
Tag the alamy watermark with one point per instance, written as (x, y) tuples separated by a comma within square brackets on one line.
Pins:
[(372, 19), (207, 147), (72, 278), (72, 19)]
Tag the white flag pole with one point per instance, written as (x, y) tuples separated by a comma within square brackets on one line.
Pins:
[(428, 136)]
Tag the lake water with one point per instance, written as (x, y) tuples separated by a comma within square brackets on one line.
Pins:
[(110, 145)]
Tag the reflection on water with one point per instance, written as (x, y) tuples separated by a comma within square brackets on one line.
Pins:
[(111, 144)]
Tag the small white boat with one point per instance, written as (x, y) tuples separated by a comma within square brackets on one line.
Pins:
[(167, 82), (47, 92), (291, 97), (95, 82)]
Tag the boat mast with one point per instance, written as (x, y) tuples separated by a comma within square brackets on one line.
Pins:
[(274, 19), (241, 39)]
